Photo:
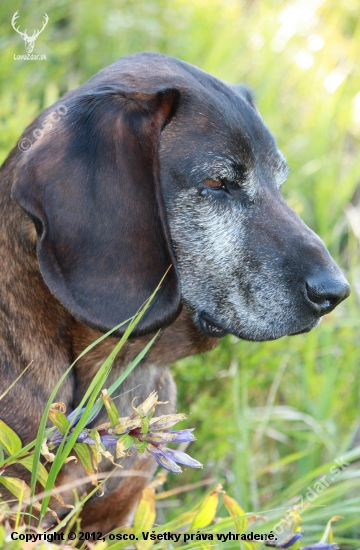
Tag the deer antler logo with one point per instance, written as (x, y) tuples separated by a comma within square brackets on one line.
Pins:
[(29, 40)]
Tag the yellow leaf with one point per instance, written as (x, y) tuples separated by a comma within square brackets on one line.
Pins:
[(50, 457), (166, 421), (42, 476), (21, 491), (70, 458), (9, 440), (60, 499), (148, 405), (122, 446), (145, 512), (125, 424), (60, 406), (207, 510), (159, 480), (110, 408), (328, 534), (94, 434), (103, 545), (57, 417), (84, 455), (28, 463), (97, 457), (236, 512), (17, 487)]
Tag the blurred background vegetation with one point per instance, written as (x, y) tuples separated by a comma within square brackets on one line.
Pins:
[(268, 416)]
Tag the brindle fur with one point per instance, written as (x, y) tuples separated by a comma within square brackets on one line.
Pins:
[(94, 214)]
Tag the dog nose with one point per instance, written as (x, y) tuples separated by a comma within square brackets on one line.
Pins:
[(326, 292)]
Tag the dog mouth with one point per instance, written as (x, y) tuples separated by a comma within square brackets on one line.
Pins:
[(210, 326), (213, 328), (312, 325)]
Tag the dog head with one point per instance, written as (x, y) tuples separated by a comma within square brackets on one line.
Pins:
[(157, 163)]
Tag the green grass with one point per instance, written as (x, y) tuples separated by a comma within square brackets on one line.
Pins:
[(268, 416)]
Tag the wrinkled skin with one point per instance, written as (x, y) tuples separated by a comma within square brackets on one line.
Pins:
[(248, 264)]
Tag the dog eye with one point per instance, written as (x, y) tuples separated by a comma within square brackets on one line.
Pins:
[(216, 183)]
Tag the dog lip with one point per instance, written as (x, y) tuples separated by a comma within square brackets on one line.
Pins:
[(210, 326), (308, 328)]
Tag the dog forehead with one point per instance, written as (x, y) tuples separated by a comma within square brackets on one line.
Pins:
[(212, 116), (222, 131), (204, 96)]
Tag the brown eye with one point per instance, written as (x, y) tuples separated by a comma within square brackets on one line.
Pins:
[(217, 183)]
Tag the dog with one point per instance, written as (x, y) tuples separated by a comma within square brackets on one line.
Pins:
[(153, 164)]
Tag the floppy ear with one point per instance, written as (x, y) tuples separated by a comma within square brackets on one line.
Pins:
[(91, 186), (246, 93)]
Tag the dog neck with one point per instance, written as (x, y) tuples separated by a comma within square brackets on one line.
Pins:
[(44, 333), (174, 342)]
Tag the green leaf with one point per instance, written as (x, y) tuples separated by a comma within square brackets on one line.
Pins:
[(9, 440), (110, 408), (127, 441), (59, 419), (177, 523), (141, 446), (83, 452), (21, 491), (17, 487), (42, 477), (145, 421), (28, 463), (2, 536)]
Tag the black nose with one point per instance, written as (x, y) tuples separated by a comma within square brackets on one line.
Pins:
[(325, 292)]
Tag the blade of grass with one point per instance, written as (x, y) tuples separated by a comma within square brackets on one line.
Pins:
[(124, 375), (90, 396), (42, 426), (28, 447), (16, 380)]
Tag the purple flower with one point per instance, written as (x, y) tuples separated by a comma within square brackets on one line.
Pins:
[(83, 435), (183, 436), (56, 437), (163, 459), (158, 437), (140, 429), (168, 458), (106, 439), (289, 541), (183, 458), (75, 416)]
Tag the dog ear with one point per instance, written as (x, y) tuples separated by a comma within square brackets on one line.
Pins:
[(246, 93), (91, 186)]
